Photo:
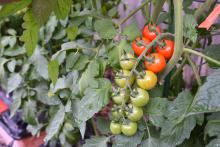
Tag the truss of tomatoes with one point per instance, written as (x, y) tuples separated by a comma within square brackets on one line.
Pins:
[(128, 101)]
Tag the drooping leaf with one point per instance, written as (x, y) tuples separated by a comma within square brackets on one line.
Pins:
[(131, 31), (124, 141), (62, 8), (13, 7), (41, 10), (17, 95), (30, 34), (212, 128), (96, 141), (207, 97), (40, 62), (105, 28), (14, 82), (53, 70), (55, 123), (190, 31), (29, 112)]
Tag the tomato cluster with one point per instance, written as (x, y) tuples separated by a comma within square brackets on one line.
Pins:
[(129, 98)]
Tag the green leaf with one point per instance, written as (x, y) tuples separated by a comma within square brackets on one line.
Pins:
[(17, 94), (153, 142), (29, 112), (156, 109), (189, 27), (30, 34), (212, 128), (96, 141), (105, 28), (81, 63), (94, 69), (55, 124), (103, 125), (40, 63), (50, 27), (11, 65), (11, 8), (71, 60), (174, 134), (17, 50), (42, 10), (213, 52), (131, 31), (14, 82), (124, 141), (207, 97), (62, 8), (53, 70), (214, 143), (34, 129), (72, 32)]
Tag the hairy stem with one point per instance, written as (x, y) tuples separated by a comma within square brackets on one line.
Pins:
[(195, 71), (133, 12), (201, 55), (178, 39)]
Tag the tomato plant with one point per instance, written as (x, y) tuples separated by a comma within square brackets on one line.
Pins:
[(60, 61)]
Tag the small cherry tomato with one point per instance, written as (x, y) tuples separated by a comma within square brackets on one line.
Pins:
[(166, 48), (150, 32), (148, 81), (127, 61), (139, 97), (129, 128), (156, 62), (116, 114), (122, 76), (134, 113), (138, 48), (119, 96), (115, 128)]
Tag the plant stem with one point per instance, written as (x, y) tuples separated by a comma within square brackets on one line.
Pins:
[(133, 12), (94, 127), (195, 71), (201, 55), (178, 39), (178, 69), (157, 10)]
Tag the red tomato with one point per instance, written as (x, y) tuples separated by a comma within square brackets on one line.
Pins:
[(148, 32), (166, 49), (157, 64), (3, 106), (138, 49)]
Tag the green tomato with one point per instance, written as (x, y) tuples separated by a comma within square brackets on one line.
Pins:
[(140, 97), (115, 128), (135, 113), (116, 114), (121, 96), (129, 129), (127, 61), (120, 78)]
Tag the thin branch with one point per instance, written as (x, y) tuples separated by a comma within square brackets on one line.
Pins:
[(178, 69), (133, 12), (195, 71)]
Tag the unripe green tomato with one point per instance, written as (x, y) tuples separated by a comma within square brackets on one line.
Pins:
[(141, 98), (123, 95), (136, 113), (121, 81), (115, 128), (127, 61), (129, 129)]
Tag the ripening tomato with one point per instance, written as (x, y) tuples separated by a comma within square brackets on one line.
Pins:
[(166, 48), (129, 128), (139, 97), (148, 81), (134, 113), (138, 48), (115, 128), (156, 62), (120, 96), (150, 32), (127, 61), (122, 76)]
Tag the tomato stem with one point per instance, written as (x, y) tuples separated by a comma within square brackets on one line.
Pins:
[(178, 69), (201, 55), (195, 71), (133, 12)]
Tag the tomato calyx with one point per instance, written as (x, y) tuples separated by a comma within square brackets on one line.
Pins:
[(162, 44), (150, 59), (153, 28), (134, 93)]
